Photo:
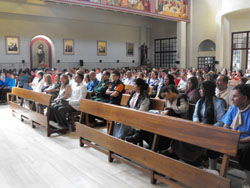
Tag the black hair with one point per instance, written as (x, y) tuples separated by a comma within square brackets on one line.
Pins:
[(169, 87), (224, 78), (171, 79), (244, 90), (208, 88), (80, 75), (142, 85), (41, 73), (107, 73), (117, 73), (194, 82)]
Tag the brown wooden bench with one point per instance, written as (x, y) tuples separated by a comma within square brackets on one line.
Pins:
[(155, 104), (26, 113), (130, 88), (156, 165)]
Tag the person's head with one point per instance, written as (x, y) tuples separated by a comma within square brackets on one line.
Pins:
[(169, 92), (241, 96), (40, 74), (79, 78), (169, 80), (12, 75), (86, 78), (140, 75), (64, 79), (200, 79), (239, 73), (221, 82), (97, 70), (105, 75), (116, 75), (140, 86), (48, 79), (55, 71), (69, 75), (92, 75), (128, 74), (242, 80), (183, 76), (154, 74), (224, 71), (193, 83), (8, 74), (207, 89), (57, 77)]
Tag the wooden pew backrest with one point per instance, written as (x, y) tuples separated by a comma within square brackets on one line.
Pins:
[(155, 104), (206, 136), (41, 98)]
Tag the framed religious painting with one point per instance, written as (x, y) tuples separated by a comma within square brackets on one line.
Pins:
[(130, 49), (68, 46), (12, 45), (102, 48)]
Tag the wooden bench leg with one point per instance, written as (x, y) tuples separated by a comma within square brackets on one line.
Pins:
[(154, 148), (224, 165), (152, 178), (48, 131), (110, 159), (33, 124), (81, 143), (110, 127)]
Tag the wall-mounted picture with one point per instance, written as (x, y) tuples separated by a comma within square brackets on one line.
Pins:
[(12, 45), (130, 49), (68, 46), (101, 47)]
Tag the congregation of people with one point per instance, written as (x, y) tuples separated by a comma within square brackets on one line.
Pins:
[(220, 99)]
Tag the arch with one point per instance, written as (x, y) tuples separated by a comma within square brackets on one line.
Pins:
[(50, 46), (207, 45)]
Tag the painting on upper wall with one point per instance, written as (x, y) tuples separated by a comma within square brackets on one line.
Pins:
[(12, 45), (143, 5), (173, 8), (130, 49), (68, 46), (93, 1), (102, 48)]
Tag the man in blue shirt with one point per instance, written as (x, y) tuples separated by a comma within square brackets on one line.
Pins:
[(238, 118), (9, 83), (93, 81)]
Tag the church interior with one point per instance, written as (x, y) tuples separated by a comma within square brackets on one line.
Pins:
[(125, 93)]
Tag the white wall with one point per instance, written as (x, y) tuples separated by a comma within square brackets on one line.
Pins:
[(85, 26), (201, 27)]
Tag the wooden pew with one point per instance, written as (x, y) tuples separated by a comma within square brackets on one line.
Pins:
[(26, 113), (156, 165), (129, 89), (155, 104)]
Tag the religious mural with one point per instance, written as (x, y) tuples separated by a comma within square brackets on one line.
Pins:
[(174, 8), (93, 1), (143, 5), (169, 9)]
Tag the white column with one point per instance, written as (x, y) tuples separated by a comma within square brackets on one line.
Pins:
[(181, 44)]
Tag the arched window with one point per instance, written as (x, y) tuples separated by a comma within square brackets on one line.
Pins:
[(207, 45)]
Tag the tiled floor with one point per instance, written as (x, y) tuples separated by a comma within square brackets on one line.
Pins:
[(30, 159)]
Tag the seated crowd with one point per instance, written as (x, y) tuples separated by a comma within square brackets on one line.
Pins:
[(197, 95)]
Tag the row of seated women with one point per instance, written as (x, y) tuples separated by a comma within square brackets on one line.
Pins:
[(208, 109)]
